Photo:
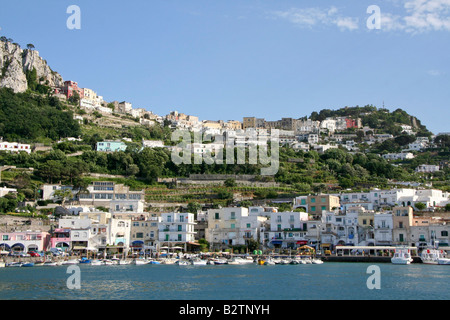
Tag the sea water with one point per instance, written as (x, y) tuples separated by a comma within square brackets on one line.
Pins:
[(327, 281)]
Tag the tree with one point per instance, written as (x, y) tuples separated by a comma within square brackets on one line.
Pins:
[(420, 206), (30, 46), (64, 194), (230, 182)]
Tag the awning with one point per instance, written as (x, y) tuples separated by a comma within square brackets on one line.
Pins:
[(302, 242), (277, 242)]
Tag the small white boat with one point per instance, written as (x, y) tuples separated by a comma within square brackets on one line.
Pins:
[(434, 256), (14, 264), (199, 262), (108, 262), (140, 262), (284, 261), (124, 262), (401, 256), (168, 261), (316, 261), (183, 263), (220, 261), (70, 262), (97, 263), (50, 264)]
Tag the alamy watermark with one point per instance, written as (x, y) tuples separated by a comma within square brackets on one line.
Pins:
[(74, 281), (374, 281)]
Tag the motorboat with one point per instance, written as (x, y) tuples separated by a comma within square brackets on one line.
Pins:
[(269, 262), (28, 264), (14, 264), (84, 260), (183, 263), (140, 262), (50, 264), (402, 256), (71, 262), (434, 256), (198, 262), (284, 261), (316, 261), (97, 263)]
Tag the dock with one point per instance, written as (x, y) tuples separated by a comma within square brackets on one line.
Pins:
[(370, 259)]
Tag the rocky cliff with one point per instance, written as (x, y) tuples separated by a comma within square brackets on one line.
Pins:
[(15, 62)]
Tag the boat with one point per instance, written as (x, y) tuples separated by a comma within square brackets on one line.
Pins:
[(269, 262), (220, 261), (108, 262), (198, 262), (97, 263), (14, 264), (50, 264), (84, 260), (124, 262), (140, 262), (284, 261), (70, 262), (183, 263), (401, 256), (2, 264), (434, 256), (316, 261), (152, 261), (28, 264)]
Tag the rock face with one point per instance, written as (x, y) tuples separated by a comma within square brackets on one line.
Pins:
[(14, 62)]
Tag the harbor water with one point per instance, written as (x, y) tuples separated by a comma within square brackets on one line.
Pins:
[(327, 281)]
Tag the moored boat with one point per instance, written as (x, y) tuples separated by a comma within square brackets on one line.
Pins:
[(198, 262), (401, 256), (434, 256)]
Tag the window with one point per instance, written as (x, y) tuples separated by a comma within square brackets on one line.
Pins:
[(364, 221), (180, 238), (233, 226), (169, 218), (303, 201), (278, 227), (181, 218), (248, 225), (313, 208), (313, 200), (217, 216), (444, 233), (139, 235), (180, 227), (323, 208), (323, 200)]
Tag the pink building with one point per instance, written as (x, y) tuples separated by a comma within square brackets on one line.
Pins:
[(24, 241), (61, 239), (69, 88)]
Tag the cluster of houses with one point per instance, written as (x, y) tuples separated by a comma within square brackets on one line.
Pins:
[(111, 218)]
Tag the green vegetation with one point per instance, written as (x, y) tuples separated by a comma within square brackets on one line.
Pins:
[(27, 117)]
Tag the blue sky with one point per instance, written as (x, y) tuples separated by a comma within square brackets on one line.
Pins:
[(230, 59)]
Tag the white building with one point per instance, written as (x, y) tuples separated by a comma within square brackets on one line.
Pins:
[(288, 229), (14, 147), (176, 228), (383, 227), (398, 156), (427, 168)]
